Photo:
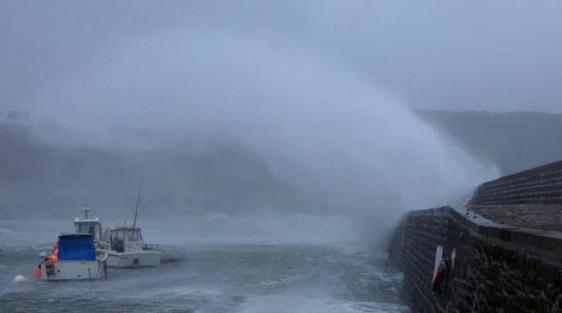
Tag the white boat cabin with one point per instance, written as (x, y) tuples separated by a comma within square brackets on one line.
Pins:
[(87, 225), (122, 239)]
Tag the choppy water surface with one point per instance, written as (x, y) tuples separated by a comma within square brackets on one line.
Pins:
[(216, 278)]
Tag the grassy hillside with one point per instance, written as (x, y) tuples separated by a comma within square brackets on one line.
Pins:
[(227, 177)]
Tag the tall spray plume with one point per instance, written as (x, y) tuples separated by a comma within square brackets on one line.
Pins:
[(319, 127)]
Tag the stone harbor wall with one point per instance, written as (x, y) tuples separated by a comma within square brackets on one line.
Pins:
[(502, 254), (537, 186), (530, 199), (496, 268), (545, 217)]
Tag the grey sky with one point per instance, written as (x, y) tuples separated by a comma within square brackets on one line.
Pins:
[(476, 55)]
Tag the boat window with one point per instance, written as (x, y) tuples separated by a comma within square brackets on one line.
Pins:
[(134, 235), (86, 229), (120, 235), (116, 238)]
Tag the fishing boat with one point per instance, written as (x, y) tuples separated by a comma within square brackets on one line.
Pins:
[(74, 257), (125, 247)]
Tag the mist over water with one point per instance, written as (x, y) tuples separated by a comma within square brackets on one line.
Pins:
[(320, 128)]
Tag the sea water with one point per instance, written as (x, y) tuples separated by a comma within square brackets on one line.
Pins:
[(233, 276)]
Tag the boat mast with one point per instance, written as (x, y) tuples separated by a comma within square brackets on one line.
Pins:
[(138, 202)]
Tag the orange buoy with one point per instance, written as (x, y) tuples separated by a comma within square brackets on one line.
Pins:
[(38, 272)]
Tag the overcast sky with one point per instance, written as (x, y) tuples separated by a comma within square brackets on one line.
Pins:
[(474, 55)]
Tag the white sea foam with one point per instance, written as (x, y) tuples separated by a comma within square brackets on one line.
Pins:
[(19, 279), (302, 304)]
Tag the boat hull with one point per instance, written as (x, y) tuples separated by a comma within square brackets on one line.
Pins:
[(73, 270), (144, 258)]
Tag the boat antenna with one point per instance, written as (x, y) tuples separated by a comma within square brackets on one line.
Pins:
[(86, 210), (138, 202)]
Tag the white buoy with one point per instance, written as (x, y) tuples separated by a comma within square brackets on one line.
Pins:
[(19, 279)]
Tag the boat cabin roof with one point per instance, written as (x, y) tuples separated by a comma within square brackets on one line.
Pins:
[(123, 228), (86, 220)]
